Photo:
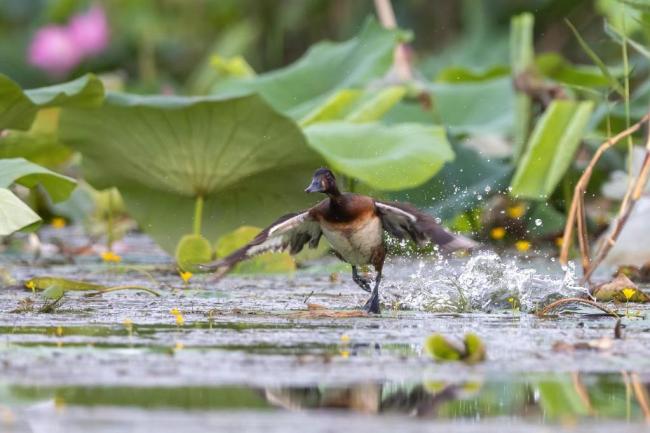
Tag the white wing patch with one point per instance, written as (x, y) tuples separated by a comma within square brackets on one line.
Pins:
[(288, 224), (271, 244), (395, 210)]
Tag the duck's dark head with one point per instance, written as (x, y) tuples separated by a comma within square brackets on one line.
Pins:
[(323, 181)]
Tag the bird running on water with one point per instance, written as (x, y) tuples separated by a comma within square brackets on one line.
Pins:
[(354, 225)]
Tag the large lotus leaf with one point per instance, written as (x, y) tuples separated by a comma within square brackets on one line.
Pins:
[(18, 108), (327, 67), (475, 107), (248, 162), (550, 148), (383, 157), (14, 214), (28, 174)]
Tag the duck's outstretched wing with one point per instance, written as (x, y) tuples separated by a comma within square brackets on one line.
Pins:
[(405, 221), (290, 232)]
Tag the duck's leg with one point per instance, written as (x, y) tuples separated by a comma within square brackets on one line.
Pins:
[(372, 305), (361, 282)]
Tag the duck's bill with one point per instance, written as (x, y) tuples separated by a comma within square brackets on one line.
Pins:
[(315, 186)]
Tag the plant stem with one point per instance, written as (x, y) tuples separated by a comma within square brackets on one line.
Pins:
[(581, 186), (198, 215), (110, 226), (553, 305)]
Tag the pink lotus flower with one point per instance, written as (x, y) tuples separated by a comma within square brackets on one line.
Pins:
[(53, 50), (90, 31), (57, 49)]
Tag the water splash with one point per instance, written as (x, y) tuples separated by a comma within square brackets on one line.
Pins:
[(485, 282)]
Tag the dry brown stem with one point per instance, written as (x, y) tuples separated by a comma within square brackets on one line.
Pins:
[(576, 216)]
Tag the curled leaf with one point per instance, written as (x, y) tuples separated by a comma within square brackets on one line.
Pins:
[(191, 251), (472, 349)]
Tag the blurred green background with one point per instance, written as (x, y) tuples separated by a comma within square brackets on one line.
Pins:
[(157, 43)]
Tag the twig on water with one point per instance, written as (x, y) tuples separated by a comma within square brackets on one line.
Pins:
[(553, 305)]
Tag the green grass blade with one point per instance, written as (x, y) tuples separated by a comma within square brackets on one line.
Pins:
[(597, 61)]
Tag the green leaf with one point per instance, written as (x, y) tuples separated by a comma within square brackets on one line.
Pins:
[(625, 15), (554, 66), (248, 162), (43, 283), (384, 157), (475, 107), (23, 172), (53, 292), (332, 107), (14, 214), (18, 108), (326, 68), (191, 251), (597, 61), (264, 263), (550, 149), (374, 109), (474, 348), (459, 74), (441, 349), (522, 53)]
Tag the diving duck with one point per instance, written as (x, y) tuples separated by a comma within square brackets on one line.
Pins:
[(354, 225)]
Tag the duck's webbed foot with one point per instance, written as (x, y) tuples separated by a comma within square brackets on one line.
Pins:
[(372, 304), (361, 282)]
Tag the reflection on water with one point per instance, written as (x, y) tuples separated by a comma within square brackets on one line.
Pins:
[(537, 398)]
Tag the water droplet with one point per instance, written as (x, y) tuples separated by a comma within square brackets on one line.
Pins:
[(538, 222)]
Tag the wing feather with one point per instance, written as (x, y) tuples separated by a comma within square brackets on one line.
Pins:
[(290, 232), (405, 221)]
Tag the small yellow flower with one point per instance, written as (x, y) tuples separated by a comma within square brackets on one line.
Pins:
[(516, 211), (178, 346), (58, 331), (180, 321), (522, 246), (344, 354), (498, 233), (58, 223), (345, 338), (185, 276), (128, 323), (559, 241), (31, 286), (511, 300), (628, 292), (111, 257)]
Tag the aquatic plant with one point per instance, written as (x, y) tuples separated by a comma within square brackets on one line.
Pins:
[(14, 213)]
